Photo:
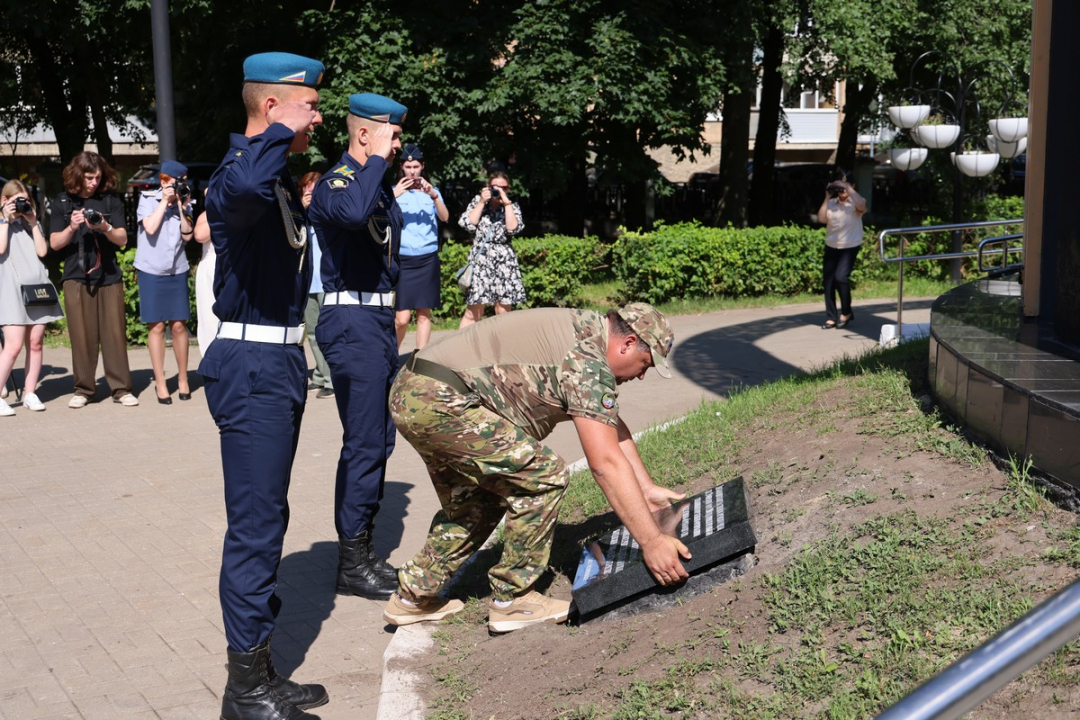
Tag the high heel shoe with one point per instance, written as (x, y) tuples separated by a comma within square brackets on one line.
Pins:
[(167, 400), (185, 396)]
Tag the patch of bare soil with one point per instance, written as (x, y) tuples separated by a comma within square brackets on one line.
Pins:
[(804, 487)]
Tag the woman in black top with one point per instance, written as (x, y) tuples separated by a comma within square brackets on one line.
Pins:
[(87, 228)]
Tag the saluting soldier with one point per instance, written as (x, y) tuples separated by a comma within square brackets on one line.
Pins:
[(255, 371), (358, 224)]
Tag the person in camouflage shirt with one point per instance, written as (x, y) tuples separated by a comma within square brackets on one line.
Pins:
[(478, 404)]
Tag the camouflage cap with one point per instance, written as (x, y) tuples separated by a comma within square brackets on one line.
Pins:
[(652, 327)]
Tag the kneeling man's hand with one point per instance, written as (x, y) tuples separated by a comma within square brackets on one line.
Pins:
[(661, 497), (662, 558)]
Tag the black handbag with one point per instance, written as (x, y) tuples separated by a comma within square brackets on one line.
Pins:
[(42, 294)]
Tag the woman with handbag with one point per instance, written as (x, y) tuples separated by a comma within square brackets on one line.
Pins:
[(27, 299), (492, 218), (165, 227)]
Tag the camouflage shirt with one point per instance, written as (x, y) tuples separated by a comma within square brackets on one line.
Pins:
[(536, 368)]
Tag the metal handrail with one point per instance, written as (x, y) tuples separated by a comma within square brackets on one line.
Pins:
[(998, 661), (1004, 253), (938, 256)]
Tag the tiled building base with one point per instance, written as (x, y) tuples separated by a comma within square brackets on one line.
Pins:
[(1012, 385)]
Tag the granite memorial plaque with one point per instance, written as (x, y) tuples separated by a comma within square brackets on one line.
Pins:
[(714, 526)]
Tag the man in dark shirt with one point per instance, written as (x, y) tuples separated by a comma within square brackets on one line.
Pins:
[(358, 224), (255, 370)]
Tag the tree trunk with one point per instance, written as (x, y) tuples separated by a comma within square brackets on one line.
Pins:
[(735, 143), (762, 193), (856, 106), (572, 203), (97, 104), (68, 124)]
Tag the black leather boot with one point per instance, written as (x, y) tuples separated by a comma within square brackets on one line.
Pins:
[(249, 695), (358, 569), (305, 697), (381, 566)]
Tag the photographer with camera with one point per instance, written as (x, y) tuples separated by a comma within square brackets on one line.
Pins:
[(22, 245), (492, 218), (165, 226), (423, 208), (87, 227), (841, 212)]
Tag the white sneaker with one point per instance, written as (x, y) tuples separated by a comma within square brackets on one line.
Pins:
[(5, 409), (127, 400), (78, 401), (31, 401)]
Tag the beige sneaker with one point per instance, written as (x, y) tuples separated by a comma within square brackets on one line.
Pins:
[(78, 401), (528, 609), (5, 409), (431, 608), (127, 400)]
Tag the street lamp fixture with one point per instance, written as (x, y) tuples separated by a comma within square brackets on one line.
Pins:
[(939, 117)]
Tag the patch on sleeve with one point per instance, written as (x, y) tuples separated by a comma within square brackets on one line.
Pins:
[(344, 170), (608, 401), (338, 183)]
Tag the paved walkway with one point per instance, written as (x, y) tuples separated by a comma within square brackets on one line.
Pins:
[(111, 521)]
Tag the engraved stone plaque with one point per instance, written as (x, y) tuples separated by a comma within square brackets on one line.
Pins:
[(714, 526)]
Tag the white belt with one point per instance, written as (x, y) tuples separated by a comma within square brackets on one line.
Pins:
[(351, 297), (261, 333)]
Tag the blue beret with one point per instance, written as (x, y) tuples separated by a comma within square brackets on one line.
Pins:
[(283, 68), (173, 169), (377, 108), (412, 152)]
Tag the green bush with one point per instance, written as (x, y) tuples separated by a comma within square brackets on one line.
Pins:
[(689, 260), (553, 270)]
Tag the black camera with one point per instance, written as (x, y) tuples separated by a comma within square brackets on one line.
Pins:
[(494, 190), (183, 189), (834, 190), (92, 216), (23, 206)]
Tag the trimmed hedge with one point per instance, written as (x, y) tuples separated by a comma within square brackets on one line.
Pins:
[(553, 270), (690, 260)]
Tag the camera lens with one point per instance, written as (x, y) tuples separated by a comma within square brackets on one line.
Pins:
[(93, 217), (22, 206)]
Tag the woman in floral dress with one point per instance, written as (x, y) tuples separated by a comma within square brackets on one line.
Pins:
[(493, 219)]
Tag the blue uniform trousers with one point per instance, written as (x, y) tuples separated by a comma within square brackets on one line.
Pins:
[(360, 347), (256, 394)]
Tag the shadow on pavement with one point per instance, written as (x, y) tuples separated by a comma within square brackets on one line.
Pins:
[(728, 358), (306, 589)]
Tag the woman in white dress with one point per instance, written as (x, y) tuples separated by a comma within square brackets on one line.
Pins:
[(22, 245)]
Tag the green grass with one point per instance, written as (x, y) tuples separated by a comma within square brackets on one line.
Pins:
[(861, 617)]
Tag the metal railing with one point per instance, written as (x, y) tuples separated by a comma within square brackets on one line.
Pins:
[(995, 663), (1005, 266), (931, 230)]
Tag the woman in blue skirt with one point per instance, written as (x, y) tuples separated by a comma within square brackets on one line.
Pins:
[(165, 224), (422, 208)]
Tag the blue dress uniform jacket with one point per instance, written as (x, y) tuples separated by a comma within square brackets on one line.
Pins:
[(358, 224), (255, 390)]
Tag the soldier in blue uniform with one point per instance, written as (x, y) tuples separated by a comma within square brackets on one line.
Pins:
[(358, 224), (255, 371)]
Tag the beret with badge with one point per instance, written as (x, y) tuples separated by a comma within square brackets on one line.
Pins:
[(280, 68), (377, 107)]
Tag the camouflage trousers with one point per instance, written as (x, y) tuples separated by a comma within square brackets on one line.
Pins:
[(483, 467)]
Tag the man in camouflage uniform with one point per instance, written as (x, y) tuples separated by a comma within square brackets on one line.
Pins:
[(477, 405)]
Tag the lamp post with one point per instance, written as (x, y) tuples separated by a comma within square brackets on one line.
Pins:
[(953, 109)]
